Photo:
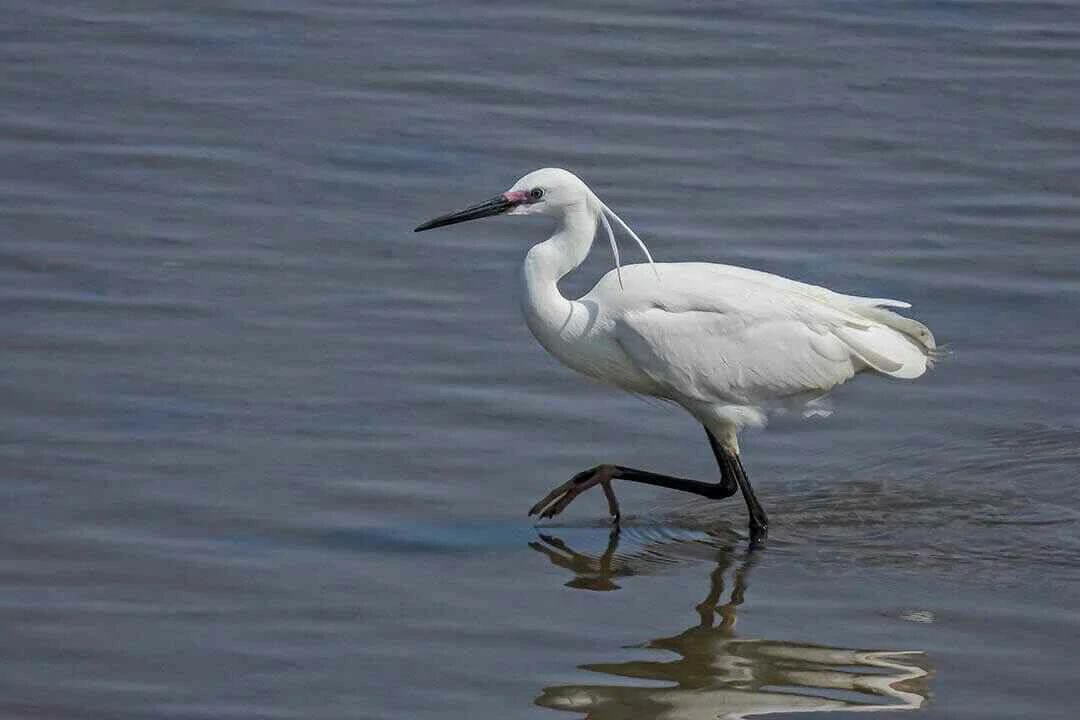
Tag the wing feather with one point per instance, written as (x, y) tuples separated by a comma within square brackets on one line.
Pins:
[(710, 357), (717, 333)]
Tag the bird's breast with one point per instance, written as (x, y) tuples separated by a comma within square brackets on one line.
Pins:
[(583, 339)]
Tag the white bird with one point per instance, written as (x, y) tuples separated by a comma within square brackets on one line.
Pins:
[(726, 343)]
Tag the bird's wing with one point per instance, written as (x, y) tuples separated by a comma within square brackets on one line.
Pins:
[(710, 357), (739, 339)]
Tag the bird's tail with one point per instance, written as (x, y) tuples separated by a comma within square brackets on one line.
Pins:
[(912, 329), (892, 344)]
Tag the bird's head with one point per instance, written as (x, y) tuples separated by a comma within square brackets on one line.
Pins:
[(548, 191)]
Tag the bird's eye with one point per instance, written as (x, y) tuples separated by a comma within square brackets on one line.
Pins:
[(536, 194)]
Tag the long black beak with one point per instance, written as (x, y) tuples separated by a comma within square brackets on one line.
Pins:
[(494, 206)]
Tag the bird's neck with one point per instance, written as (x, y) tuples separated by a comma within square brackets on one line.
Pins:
[(548, 314)]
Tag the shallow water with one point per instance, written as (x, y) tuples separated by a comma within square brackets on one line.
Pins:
[(267, 453)]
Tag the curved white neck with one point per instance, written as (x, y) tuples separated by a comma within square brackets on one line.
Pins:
[(549, 315)]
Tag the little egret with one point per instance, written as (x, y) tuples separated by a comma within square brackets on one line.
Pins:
[(725, 343)]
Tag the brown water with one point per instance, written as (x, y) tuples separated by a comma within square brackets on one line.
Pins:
[(267, 453)]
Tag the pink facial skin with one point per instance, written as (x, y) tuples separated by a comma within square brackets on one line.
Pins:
[(517, 197)]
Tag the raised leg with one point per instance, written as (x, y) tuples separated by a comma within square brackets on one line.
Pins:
[(732, 479), (558, 499)]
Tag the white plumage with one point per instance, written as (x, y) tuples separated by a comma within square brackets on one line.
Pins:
[(726, 343)]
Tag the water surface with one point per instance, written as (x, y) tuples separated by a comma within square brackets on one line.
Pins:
[(267, 453)]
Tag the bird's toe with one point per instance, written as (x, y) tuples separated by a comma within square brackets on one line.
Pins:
[(558, 499)]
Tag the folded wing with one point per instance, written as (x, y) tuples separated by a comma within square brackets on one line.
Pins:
[(749, 341)]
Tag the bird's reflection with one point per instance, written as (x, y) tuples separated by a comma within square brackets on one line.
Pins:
[(718, 675)]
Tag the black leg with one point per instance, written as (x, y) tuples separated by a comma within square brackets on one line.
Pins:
[(731, 467), (558, 499), (732, 479)]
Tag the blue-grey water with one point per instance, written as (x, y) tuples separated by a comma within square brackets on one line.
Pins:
[(266, 453)]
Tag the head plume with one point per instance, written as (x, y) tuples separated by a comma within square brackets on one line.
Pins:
[(604, 212), (551, 190)]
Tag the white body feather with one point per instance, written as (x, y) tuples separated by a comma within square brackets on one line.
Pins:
[(724, 342)]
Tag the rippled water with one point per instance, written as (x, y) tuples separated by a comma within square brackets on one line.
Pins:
[(267, 453)]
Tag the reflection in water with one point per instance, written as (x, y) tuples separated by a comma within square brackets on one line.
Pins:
[(718, 675)]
